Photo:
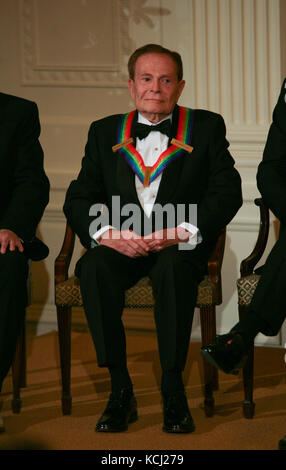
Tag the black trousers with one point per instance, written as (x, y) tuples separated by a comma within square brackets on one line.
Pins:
[(13, 301), (268, 300), (104, 276)]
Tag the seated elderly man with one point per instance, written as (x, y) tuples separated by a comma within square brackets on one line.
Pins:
[(160, 155)]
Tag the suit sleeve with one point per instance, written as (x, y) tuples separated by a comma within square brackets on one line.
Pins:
[(271, 174), (30, 185), (86, 190), (223, 196)]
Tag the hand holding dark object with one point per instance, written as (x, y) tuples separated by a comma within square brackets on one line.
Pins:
[(34, 249), (9, 241)]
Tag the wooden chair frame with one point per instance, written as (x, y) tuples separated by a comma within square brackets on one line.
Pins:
[(246, 268)]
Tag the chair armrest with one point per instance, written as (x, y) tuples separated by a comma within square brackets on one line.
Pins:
[(215, 264), (248, 264), (216, 258), (63, 259)]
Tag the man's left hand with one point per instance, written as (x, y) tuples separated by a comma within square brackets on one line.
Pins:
[(161, 239)]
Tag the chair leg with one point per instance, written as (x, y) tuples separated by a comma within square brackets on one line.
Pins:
[(23, 377), (19, 370), (248, 404), (64, 332), (208, 328)]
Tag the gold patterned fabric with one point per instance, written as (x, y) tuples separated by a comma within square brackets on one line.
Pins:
[(206, 293), (246, 287), (140, 295), (67, 293)]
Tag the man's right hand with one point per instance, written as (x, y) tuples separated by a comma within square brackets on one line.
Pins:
[(126, 242), (9, 241)]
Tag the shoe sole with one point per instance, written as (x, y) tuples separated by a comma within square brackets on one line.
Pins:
[(132, 418), (2, 427), (282, 444), (178, 431), (208, 358)]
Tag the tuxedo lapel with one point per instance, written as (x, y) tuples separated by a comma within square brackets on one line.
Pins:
[(125, 176), (125, 179), (172, 172)]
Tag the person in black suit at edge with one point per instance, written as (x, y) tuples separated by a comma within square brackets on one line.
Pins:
[(184, 163), (24, 192), (266, 312)]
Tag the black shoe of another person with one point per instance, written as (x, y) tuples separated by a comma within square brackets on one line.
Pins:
[(177, 416), (121, 410), (282, 443), (227, 353), (2, 427)]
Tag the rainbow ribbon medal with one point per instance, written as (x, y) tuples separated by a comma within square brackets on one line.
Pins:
[(179, 145)]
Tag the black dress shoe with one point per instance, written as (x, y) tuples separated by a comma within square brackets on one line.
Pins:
[(2, 427), (121, 410), (228, 353), (282, 443), (177, 416)]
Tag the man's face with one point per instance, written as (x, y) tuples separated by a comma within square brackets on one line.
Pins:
[(155, 88)]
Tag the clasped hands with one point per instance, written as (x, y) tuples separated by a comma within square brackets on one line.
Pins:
[(133, 245)]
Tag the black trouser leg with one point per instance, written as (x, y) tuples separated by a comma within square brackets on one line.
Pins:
[(13, 300), (175, 284), (266, 312), (104, 276)]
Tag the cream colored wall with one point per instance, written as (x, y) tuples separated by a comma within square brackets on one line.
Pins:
[(70, 57)]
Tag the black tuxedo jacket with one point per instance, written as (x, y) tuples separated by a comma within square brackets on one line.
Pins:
[(24, 186), (205, 177), (268, 300), (271, 174)]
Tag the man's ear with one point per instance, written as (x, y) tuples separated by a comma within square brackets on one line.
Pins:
[(131, 87), (181, 87)]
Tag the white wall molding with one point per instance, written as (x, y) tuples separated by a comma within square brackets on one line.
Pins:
[(43, 64), (99, 34), (233, 60)]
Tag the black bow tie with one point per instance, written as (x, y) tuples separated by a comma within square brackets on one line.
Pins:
[(142, 130)]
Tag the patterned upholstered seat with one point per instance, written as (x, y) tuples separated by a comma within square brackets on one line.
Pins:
[(246, 287), (138, 296), (67, 295)]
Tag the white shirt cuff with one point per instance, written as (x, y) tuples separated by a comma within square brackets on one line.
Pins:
[(98, 234), (195, 237)]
